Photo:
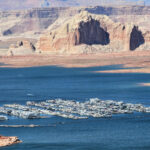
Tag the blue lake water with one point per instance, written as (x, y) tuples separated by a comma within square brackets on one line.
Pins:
[(121, 132)]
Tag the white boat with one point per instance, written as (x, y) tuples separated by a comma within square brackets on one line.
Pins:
[(2, 118)]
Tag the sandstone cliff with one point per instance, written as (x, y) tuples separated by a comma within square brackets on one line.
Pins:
[(91, 32), (119, 10), (117, 33), (38, 19), (32, 21), (24, 47)]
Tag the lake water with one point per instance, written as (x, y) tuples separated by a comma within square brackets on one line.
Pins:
[(121, 132)]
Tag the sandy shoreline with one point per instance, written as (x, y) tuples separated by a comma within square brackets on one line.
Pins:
[(140, 59), (144, 84)]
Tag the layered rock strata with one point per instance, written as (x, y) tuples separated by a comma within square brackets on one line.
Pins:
[(24, 47), (33, 21), (97, 32), (38, 19)]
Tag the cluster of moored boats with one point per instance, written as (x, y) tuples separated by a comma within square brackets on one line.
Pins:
[(70, 109)]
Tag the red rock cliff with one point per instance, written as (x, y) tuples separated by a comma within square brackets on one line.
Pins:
[(89, 29)]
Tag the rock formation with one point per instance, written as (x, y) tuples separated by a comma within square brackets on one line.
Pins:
[(24, 47), (119, 10), (147, 36), (7, 141), (32, 21), (93, 33), (37, 19), (97, 32)]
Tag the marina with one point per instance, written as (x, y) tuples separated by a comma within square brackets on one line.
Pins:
[(71, 109)]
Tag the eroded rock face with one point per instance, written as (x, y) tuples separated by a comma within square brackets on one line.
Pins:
[(121, 10), (26, 44), (24, 47), (93, 30), (147, 36), (32, 21), (38, 19), (7, 141)]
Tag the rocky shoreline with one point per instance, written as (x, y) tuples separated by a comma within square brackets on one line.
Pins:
[(129, 60), (7, 141)]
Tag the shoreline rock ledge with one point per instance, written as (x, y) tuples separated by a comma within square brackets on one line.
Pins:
[(7, 141)]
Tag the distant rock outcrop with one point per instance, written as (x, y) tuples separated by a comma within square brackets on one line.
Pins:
[(35, 21), (24, 47), (7, 141), (91, 32), (32, 21)]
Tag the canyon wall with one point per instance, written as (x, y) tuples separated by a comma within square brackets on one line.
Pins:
[(119, 10), (23, 47), (90, 30), (31, 21), (37, 20), (127, 28)]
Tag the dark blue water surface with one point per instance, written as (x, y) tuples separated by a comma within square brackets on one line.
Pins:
[(121, 132)]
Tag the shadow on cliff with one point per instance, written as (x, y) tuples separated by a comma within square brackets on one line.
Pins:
[(92, 33), (136, 39)]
